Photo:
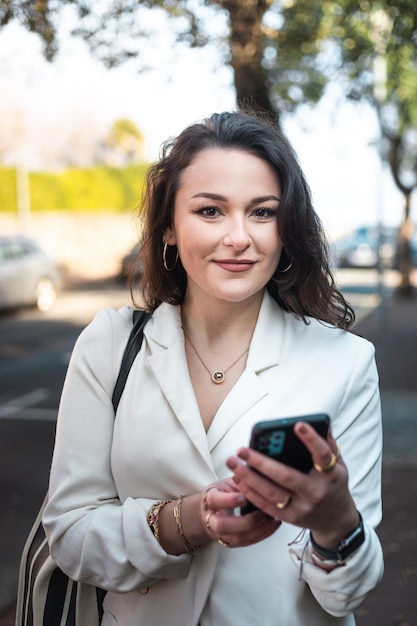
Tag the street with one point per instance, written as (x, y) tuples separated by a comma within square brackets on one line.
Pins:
[(34, 353)]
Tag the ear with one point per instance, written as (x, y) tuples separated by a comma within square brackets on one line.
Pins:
[(169, 236)]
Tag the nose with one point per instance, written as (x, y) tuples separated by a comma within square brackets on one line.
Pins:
[(237, 234)]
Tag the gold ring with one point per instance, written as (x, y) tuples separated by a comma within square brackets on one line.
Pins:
[(207, 520), (223, 543), (204, 497), (330, 466), (283, 505)]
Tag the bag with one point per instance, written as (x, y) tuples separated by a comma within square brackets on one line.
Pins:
[(45, 595)]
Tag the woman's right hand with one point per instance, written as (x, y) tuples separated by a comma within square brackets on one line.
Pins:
[(217, 509)]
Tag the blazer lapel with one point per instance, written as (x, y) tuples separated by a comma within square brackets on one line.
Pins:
[(168, 362), (166, 341), (264, 353), (248, 390)]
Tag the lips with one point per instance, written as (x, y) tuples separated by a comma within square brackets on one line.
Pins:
[(234, 265)]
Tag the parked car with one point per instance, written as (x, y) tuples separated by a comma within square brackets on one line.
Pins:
[(360, 248), (128, 260), (28, 276)]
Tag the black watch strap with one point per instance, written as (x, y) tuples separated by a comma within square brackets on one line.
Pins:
[(347, 546)]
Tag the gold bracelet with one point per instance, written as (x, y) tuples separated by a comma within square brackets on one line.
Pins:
[(153, 516), (177, 514)]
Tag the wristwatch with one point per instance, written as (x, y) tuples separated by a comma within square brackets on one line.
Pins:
[(347, 546)]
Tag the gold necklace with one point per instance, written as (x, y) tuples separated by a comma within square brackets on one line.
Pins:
[(218, 376)]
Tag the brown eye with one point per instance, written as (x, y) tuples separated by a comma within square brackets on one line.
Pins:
[(265, 213), (209, 211)]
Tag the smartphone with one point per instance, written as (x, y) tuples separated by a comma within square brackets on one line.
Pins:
[(276, 438)]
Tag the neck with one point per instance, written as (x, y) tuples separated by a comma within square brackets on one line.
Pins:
[(212, 323), (210, 312)]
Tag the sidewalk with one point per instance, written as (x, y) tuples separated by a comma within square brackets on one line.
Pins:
[(393, 330)]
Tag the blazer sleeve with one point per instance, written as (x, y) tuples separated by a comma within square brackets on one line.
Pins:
[(93, 536), (358, 431)]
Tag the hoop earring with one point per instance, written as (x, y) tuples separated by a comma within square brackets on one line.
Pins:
[(164, 258), (287, 269)]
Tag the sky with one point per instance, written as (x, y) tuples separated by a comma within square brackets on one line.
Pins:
[(47, 104)]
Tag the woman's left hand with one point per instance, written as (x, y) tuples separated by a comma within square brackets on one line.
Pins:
[(319, 500), (217, 504)]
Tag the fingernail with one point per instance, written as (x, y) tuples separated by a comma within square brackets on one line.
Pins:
[(243, 454), (236, 479), (231, 463)]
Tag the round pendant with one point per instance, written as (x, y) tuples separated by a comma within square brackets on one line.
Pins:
[(217, 377)]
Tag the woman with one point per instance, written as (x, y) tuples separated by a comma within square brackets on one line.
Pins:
[(247, 325)]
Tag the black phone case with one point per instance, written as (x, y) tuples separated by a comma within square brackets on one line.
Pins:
[(277, 439)]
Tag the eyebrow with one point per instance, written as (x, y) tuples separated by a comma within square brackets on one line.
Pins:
[(220, 198)]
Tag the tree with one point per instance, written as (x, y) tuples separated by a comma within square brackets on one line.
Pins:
[(370, 48), (283, 53), (38, 17), (123, 144), (246, 51), (113, 32)]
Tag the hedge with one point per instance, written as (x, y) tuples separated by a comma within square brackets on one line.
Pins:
[(95, 189)]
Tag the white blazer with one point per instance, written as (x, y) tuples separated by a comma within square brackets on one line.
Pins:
[(106, 473)]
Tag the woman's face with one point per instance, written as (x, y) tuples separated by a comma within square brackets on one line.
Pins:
[(225, 225)]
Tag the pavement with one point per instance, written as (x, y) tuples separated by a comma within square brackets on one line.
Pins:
[(392, 328)]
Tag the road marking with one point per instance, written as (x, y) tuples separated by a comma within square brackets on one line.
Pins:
[(33, 414), (22, 402)]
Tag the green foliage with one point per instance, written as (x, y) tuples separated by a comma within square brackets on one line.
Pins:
[(95, 189), (125, 127), (8, 189), (111, 29), (283, 53), (368, 48), (322, 40), (123, 144)]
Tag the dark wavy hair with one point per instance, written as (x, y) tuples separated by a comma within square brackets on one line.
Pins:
[(307, 287)]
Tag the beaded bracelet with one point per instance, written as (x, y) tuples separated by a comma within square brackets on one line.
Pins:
[(153, 516), (177, 514)]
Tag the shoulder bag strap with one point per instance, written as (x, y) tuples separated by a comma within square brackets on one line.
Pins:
[(132, 348)]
